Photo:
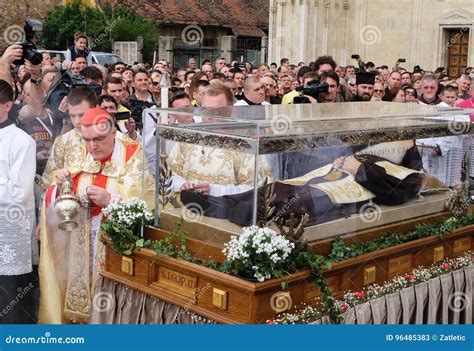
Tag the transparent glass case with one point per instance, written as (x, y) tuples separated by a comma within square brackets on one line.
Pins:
[(313, 171)]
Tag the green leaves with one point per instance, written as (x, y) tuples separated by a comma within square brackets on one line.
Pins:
[(140, 242), (340, 251)]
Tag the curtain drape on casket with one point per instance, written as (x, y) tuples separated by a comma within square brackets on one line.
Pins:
[(115, 303), (446, 299)]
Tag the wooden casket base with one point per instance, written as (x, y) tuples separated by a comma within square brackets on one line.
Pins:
[(228, 299)]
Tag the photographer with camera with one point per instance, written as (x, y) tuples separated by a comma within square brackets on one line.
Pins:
[(25, 53), (332, 93), (288, 98), (26, 113)]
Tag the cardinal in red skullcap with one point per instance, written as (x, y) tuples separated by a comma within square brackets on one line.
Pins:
[(95, 116), (110, 172)]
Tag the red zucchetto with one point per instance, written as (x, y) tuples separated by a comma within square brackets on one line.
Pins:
[(95, 116)]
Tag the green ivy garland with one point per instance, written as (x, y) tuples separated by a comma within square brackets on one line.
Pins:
[(124, 242)]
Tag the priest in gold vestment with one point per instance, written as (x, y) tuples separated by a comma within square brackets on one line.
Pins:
[(112, 170), (69, 150), (214, 171)]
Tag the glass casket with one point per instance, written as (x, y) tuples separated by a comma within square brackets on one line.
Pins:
[(334, 178), (331, 168)]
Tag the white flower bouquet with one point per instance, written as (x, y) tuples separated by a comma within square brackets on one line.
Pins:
[(259, 253), (123, 224)]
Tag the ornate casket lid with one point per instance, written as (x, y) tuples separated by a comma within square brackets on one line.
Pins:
[(277, 128)]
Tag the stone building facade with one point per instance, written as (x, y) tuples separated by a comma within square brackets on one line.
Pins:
[(429, 33)]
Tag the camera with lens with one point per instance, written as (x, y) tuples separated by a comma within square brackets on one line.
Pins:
[(314, 88), (30, 52), (136, 108)]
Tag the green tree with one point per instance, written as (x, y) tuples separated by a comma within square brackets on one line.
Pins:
[(102, 25)]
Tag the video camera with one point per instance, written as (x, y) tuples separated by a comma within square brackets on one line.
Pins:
[(313, 89), (30, 52), (62, 85), (136, 108)]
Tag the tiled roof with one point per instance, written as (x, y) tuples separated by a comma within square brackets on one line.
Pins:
[(246, 17)]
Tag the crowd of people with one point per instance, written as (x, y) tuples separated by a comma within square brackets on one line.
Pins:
[(48, 134)]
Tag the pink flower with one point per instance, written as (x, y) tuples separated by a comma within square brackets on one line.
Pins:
[(344, 307), (360, 295), (411, 277), (270, 321), (102, 264), (445, 266)]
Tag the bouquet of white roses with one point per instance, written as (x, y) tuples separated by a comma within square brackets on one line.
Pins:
[(123, 224), (259, 253)]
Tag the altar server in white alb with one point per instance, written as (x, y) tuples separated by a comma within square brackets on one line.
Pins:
[(17, 217)]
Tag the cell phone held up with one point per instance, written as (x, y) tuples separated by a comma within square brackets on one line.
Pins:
[(402, 60), (122, 116), (355, 57)]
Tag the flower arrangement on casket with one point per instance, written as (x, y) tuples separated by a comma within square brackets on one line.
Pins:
[(259, 254), (124, 222)]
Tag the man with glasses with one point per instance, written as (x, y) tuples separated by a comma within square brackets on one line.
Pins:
[(379, 90), (271, 95), (119, 67), (192, 64), (111, 171), (429, 89), (410, 94)]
